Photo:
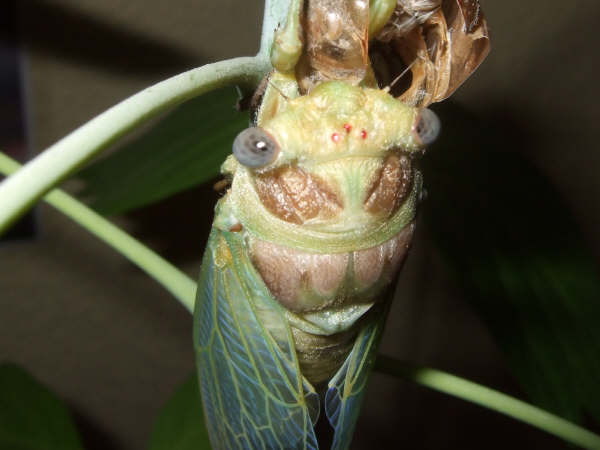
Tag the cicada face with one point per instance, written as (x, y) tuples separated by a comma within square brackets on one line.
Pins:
[(333, 161)]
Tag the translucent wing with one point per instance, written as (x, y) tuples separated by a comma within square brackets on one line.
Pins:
[(346, 389), (253, 393)]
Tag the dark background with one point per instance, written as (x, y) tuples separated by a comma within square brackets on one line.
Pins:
[(114, 344)]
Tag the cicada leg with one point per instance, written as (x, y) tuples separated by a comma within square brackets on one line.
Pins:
[(380, 12), (287, 45)]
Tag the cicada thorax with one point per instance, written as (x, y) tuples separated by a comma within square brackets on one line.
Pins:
[(344, 169), (297, 196), (328, 294), (309, 282)]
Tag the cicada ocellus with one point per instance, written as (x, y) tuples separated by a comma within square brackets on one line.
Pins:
[(307, 241)]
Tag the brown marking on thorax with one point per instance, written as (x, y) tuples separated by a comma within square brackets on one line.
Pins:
[(296, 196), (391, 186), (304, 282), (291, 274)]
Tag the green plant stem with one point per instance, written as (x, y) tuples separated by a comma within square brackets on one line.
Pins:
[(169, 276), (491, 399), (19, 192)]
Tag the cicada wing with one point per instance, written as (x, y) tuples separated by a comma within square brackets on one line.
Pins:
[(253, 393), (346, 389)]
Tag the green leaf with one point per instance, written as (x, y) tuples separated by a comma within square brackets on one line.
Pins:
[(180, 425), (32, 417), (521, 258), (186, 148)]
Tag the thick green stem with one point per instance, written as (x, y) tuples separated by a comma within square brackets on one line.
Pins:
[(489, 398), (19, 192), (171, 278)]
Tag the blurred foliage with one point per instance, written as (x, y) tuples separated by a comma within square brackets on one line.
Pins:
[(184, 149), (31, 417), (180, 425), (520, 256)]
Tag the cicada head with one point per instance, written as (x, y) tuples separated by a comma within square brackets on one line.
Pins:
[(335, 160)]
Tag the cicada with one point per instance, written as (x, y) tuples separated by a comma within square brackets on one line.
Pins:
[(309, 237)]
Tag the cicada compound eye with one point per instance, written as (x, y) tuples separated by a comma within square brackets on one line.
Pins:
[(427, 127), (255, 148)]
